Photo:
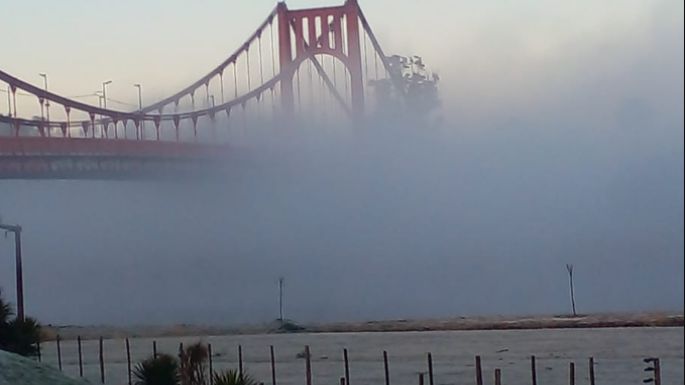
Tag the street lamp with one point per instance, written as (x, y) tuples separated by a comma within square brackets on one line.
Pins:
[(140, 96), (47, 102), (140, 109), (104, 93), (20, 277)]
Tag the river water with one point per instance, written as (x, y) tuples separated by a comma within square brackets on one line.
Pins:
[(618, 355)]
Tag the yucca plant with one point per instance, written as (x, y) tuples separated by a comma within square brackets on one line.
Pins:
[(160, 370), (232, 377), (18, 336)]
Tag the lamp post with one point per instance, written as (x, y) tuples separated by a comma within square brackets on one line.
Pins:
[(140, 96), (104, 93), (47, 102), (139, 86), (16, 229)]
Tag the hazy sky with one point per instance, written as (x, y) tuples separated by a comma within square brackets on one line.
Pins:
[(562, 142)]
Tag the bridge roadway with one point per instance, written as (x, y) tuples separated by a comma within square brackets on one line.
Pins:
[(83, 158)]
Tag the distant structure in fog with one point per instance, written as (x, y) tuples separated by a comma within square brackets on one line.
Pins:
[(294, 45)]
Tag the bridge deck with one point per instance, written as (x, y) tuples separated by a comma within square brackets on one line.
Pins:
[(79, 158)]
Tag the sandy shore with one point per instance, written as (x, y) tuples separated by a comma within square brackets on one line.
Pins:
[(651, 319)]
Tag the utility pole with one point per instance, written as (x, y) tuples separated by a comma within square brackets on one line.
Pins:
[(20, 277), (280, 299)]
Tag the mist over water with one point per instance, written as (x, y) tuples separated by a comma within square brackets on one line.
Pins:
[(388, 220), (559, 140)]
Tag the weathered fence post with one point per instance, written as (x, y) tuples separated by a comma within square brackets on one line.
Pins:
[(180, 356), (385, 365), (308, 365), (655, 368), (211, 368), (154, 349), (80, 357), (342, 380), (430, 369), (479, 372), (420, 378), (59, 353), (40, 358), (347, 367), (102, 363), (498, 377), (533, 371), (128, 360), (592, 370), (273, 365), (572, 373), (240, 362)]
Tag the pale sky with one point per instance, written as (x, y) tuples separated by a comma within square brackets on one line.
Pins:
[(562, 143)]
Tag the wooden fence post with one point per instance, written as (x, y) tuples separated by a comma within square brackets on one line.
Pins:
[(102, 363), (572, 373), (128, 360), (240, 362), (308, 364), (59, 353), (592, 370), (211, 367), (498, 377), (80, 357), (347, 367), (273, 365), (385, 365), (479, 372), (430, 369), (154, 349), (533, 371)]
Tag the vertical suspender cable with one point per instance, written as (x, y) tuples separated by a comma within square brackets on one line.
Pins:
[(235, 77), (247, 63), (221, 78)]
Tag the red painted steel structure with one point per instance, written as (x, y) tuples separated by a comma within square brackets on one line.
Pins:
[(302, 35)]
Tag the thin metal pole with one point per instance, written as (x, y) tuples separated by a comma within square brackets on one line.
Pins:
[(347, 367), (657, 372), (154, 349), (18, 265), (592, 370), (430, 369), (273, 365), (572, 373), (498, 377), (533, 371), (420, 378), (479, 372), (19, 272), (280, 298), (385, 366), (40, 358), (80, 357)]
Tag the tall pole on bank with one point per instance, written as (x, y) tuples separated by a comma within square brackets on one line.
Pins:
[(16, 229)]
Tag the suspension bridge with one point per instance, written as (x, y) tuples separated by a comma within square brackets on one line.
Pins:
[(317, 61)]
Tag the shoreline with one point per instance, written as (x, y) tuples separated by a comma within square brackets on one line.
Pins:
[(483, 323)]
